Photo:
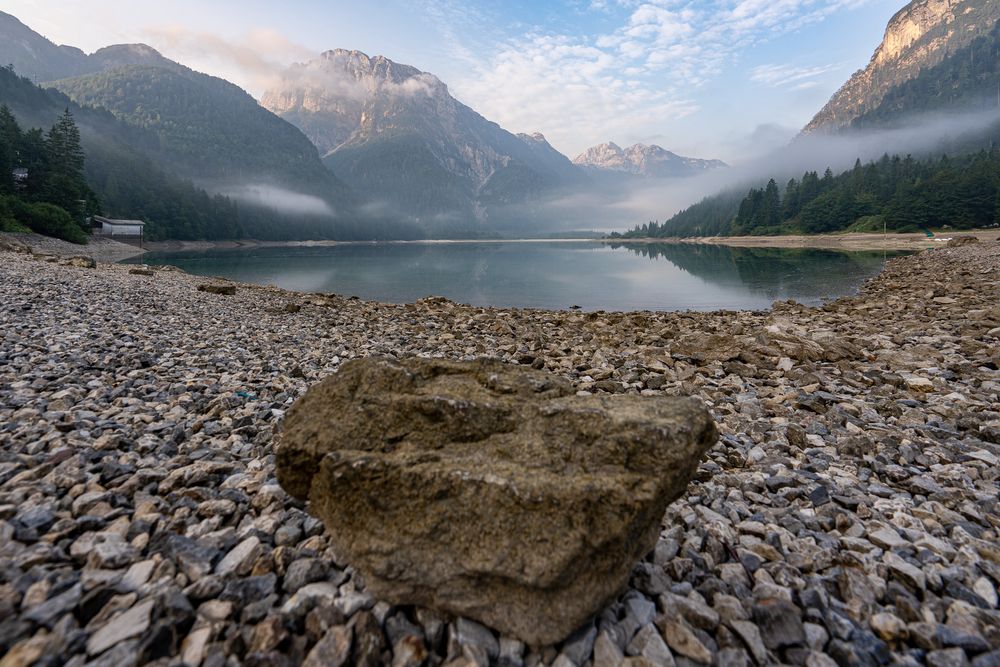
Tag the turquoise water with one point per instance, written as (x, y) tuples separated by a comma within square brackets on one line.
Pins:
[(553, 275)]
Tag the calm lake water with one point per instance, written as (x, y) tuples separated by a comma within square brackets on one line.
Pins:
[(551, 275)]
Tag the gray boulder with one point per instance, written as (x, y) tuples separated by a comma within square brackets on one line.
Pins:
[(487, 490)]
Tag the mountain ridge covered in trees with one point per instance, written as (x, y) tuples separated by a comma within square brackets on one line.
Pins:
[(128, 183), (893, 193), (207, 128), (966, 80)]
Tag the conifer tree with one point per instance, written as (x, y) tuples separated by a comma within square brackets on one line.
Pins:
[(65, 183), (771, 206)]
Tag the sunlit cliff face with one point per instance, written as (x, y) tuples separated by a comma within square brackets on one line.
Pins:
[(919, 36)]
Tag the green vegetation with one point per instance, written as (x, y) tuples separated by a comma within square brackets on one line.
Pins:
[(42, 184), (399, 169), (50, 220), (8, 221), (904, 194)]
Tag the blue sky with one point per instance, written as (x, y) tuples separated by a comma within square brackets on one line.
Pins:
[(707, 78)]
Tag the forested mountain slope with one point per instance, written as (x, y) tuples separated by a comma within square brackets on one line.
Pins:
[(207, 128), (130, 184)]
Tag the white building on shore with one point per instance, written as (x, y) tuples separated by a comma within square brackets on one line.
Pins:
[(120, 230)]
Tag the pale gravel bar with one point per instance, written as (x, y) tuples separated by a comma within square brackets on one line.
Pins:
[(849, 514), (854, 241)]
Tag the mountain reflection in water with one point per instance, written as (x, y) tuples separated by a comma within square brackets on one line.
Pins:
[(539, 274)]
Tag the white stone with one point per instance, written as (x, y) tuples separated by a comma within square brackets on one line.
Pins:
[(238, 556), (193, 646), (125, 625), (985, 589), (137, 574)]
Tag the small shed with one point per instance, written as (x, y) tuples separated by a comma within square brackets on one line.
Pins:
[(20, 176), (120, 230)]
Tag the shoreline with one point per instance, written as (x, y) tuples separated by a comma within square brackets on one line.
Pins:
[(846, 242), (183, 246), (101, 249), (104, 249), (849, 508)]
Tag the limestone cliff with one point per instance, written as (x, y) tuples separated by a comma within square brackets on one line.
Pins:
[(919, 36)]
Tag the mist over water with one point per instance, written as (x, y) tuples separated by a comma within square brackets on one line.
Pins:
[(609, 204), (278, 199), (638, 201)]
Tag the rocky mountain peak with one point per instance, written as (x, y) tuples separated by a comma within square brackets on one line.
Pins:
[(641, 160), (333, 95), (395, 132), (361, 66), (608, 155), (534, 137), (910, 24)]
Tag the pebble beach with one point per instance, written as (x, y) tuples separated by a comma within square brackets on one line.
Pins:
[(849, 514)]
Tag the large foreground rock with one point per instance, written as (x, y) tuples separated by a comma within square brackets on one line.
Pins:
[(489, 490)]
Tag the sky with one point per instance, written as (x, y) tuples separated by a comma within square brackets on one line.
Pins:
[(726, 79)]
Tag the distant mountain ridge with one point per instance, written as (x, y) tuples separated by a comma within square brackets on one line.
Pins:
[(642, 160), (966, 80), (395, 134), (35, 57), (195, 126), (917, 38), (207, 128), (938, 60)]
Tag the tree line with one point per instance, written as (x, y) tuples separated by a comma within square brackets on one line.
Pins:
[(901, 194), (42, 183)]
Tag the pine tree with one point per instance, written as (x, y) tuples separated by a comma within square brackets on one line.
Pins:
[(771, 205), (791, 205), (65, 184), (32, 156)]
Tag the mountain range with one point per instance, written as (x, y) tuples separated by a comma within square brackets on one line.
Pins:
[(642, 160), (933, 87), (371, 139), (397, 136), (351, 145)]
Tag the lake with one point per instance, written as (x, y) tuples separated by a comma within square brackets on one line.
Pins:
[(540, 274)]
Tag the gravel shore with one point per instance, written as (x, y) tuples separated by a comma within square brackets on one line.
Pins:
[(100, 249), (848, 515)]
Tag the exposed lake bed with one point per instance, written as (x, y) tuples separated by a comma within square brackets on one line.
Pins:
[(849, 508)]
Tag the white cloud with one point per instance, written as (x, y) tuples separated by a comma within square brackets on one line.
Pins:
[(254, 61), (632, 80), (279, 199), (783, 75), (575, 91)]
